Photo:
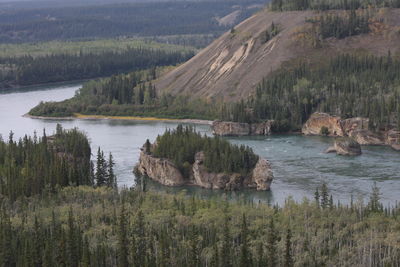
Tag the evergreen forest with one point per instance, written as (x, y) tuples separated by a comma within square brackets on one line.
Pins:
[(287, 5), (181, 145), (28, 70), (86, 226), (348, 85), (36, 165)]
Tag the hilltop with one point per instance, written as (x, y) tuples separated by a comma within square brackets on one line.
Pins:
[(233, 65)]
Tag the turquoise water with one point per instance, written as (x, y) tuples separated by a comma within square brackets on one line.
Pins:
[(298, 162)]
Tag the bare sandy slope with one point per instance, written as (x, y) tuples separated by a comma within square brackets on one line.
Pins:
[(232, 66)]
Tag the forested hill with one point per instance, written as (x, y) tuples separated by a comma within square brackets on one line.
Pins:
[(233, 65), (25, 24)]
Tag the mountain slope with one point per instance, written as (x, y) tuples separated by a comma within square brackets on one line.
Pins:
[(232, 66)]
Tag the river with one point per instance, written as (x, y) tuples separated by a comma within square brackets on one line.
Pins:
[(298, 162)]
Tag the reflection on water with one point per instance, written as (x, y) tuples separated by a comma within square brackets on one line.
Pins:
[(299, 163)]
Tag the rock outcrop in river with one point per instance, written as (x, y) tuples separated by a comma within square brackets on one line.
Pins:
[(393, 139), (230, 128), (165, 172), (356, 128), (319, 121), (345, 146)]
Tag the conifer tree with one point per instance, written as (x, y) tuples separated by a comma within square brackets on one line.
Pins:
[(245, 257), (272, 239), (101, 169), (111, 178), (123, 243), (288, 249)]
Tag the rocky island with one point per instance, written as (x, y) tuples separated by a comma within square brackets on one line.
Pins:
[(184, 157), (345, 146), (355, 128)]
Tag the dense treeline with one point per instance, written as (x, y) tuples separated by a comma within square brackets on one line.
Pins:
[(342, 26), (112, 20), (128, 95), (181, 145), (285, 5), (28, 70), (83, 226), (30, 165), (347, 85), (42, 165)]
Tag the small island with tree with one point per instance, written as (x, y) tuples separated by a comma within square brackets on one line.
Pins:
[(184, 157)]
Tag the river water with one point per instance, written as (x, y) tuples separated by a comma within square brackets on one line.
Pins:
[(298, 162)]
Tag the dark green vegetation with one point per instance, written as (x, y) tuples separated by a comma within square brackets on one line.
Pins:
[(271, 32), (35, 166), (287, 5), (27, 70), (341, 26), (83, 226), (126, 95), (31, 165), (105, 21), (347, 85), (182, 144)]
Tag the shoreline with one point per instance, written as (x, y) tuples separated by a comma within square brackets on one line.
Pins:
[(121, 118)]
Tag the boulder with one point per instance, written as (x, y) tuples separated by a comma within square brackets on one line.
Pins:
[(366, 137), (396, 147), (230, 128), (354, 124), (161, 170), (393, 139), (345, 146), (319, 120)]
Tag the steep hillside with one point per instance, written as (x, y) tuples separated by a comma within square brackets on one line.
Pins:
[(232, 66)]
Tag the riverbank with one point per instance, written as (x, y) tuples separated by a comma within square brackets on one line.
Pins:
[(125, 118)]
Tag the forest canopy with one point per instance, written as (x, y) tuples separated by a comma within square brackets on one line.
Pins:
[(27, 70), (181, 145), (347, 85)]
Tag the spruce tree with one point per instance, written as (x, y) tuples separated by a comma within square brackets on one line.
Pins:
[(101, 169), (245, 257), (288, 249), (123, 244), (272, 238)]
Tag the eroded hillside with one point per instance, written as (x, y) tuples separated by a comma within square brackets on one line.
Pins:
[(232, 66)]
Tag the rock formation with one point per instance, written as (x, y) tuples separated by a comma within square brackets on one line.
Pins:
[(166, 173), (345, 146), (393, 139), (356, 128), (229, 128), (161, 170), (354, 124), (318, 121), (366, 137)]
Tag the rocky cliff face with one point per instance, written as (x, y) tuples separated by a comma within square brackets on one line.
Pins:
[(319, 120), (354, 124), (355, 128), (166, 173), (262, 175), (229, 128), (161, 170)]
